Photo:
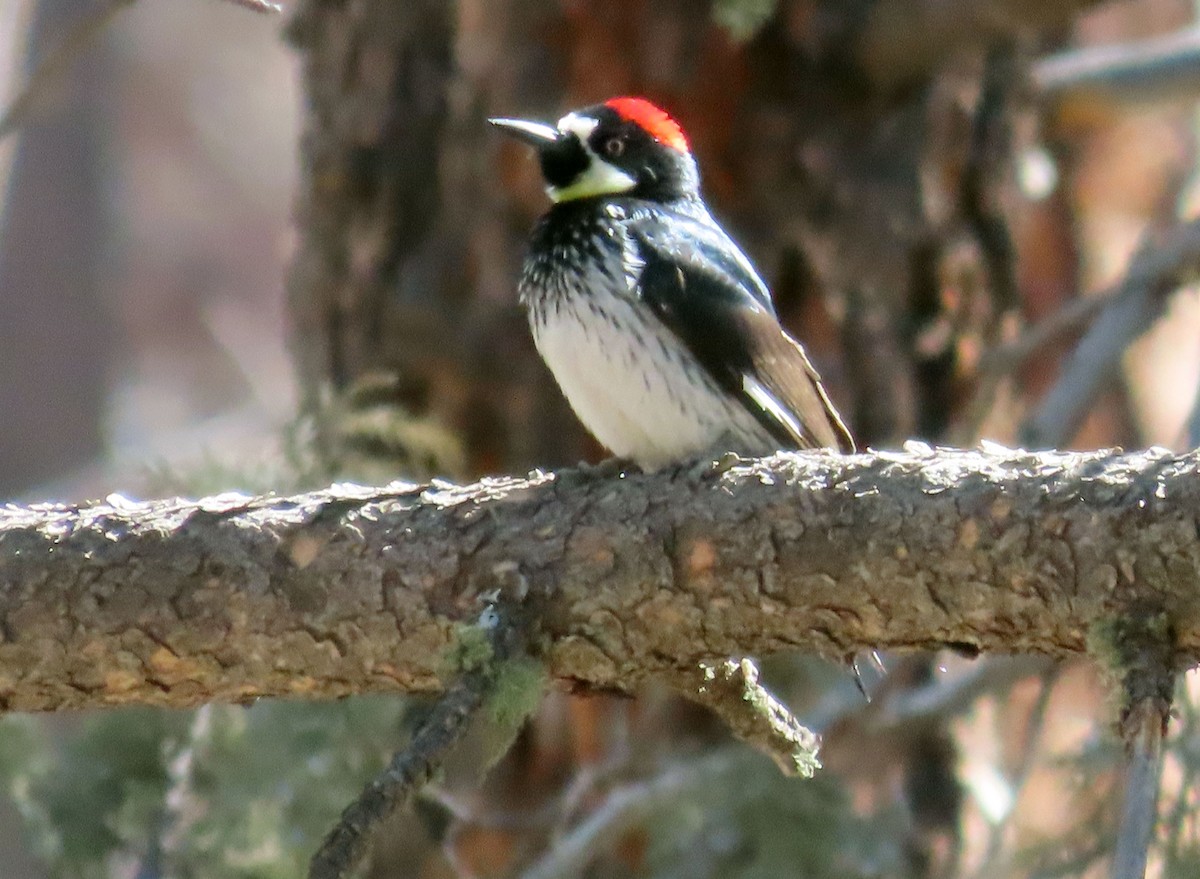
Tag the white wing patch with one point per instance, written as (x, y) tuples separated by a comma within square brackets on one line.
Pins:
[(758, 392)]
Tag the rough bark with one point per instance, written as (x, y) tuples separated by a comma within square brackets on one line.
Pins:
[(375, 76), (355, 590)]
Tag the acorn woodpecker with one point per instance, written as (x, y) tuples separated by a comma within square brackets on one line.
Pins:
[(657, 328)]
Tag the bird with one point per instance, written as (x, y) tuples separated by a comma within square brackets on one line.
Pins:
[(660, 333)]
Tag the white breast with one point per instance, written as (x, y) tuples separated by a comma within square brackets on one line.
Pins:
[(634, 385)]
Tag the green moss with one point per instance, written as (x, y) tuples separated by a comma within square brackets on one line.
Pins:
[(1118, 643), (1102, 645), (516, 687), (743, 18), (517, 692), (471, 649)]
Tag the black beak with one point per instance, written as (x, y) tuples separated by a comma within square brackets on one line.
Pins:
[(537, 134)]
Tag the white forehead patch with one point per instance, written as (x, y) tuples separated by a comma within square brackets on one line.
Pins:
[(581, 126)]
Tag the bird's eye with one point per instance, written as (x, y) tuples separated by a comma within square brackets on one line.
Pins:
[(613, 147)]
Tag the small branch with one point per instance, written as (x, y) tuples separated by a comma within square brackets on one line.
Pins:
[(56, 62), (732, 690), (1140, 807), (633, 805), (1164, 263), (1141, 646), (630, 806), (1158, 68), (263, 7), (170, 824), (413, 767), (994, 864), (987, 159), (989, 155), (902, 41), (946, 698), (1073, 316)]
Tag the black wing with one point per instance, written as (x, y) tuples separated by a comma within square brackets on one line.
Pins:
[(703, 288)]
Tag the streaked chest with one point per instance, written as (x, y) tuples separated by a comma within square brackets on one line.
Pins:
[(631, 381)]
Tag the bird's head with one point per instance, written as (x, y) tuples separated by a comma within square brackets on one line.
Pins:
[(625, 146)]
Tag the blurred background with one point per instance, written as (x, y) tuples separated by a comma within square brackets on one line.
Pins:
[(145, 234), (264, 252)]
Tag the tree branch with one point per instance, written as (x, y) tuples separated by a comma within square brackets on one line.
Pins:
[(631, 805), (902, 39), (1165, 263), (501, 635), (1162, 67), (733, 691), (1139, 649), (355, 589)]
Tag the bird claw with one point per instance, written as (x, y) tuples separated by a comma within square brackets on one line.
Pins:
[(717, 459), (609, 468), (876, 663), (614, 467)]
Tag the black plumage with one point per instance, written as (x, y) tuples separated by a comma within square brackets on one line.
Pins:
[(703, 288)]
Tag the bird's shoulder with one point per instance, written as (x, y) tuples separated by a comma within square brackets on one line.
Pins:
[(687, 239), (702, 286)]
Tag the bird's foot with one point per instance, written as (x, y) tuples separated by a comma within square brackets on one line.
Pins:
[(718, 458), (613, 467), (609, 468), (876, 664)]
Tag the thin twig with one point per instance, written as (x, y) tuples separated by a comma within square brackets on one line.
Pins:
[(81, 35), (1142, 641), (1073, 316), (989, 153), (1177, 849), (553, 818), (629, 806), (1158, 68), (1000, 362), (169, 824), (990, 147), (57, 62), (946, 698), (345, 846), (732, 690), (632, 805), (1163, 264), (588, 780), (412, 768), (263, 7), (1139, 811)]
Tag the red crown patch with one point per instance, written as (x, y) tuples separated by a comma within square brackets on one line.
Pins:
[(655, 121)]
